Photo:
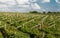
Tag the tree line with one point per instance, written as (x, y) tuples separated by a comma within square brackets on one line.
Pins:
[(49, 12)]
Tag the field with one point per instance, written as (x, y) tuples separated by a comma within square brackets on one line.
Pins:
[(29, 25)]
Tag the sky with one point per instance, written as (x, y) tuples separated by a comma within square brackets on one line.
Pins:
[(29, 5)]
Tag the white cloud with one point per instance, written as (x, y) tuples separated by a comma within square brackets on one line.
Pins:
[(22, 1), (5, 0), (22, 5), (9, 2), (2, 5), (25, 1), (35, 6), (57, 1), (33, 0), (45, 1), (19, 1)]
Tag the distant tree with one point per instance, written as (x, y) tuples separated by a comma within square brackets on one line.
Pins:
[(33, 11), (49, 12), (54, 12), (58, 12), (44, 12)]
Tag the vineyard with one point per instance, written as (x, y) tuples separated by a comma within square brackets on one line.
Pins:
[(28, 25)]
